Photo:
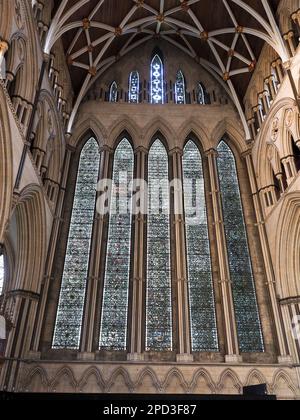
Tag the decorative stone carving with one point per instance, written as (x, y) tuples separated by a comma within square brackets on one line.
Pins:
[(275, 129), (19, 14), (289, 118)]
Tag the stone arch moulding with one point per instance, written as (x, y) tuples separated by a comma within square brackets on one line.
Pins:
[(31, 246), (159, 125), (199, 130), (287, 254), (235, 134), (90, 124), (124, 124), (6, 171)]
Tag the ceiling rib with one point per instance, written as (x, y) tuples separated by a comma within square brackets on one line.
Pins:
[(160, 17)]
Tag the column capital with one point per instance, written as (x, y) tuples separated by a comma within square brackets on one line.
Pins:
[(248, 152), (211, 152), (71, 148), (287, 64), (141, 150), (106, 148), (176, 150)]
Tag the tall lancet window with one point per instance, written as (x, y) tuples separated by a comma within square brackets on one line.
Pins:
[(202, 303), (200, 92), (180, 88), (116, 283), (243, 287), (157, 80), (158, 306), (113, 92), (72, 295), (134, 87), (1, 272)]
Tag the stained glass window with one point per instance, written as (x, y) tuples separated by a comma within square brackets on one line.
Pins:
[(158, 305), (200, 94), (113, 92), (202, 304), (1, 273), (134, 87), (71, 302), (116, 285), (157, 80), (180, 88), (244, 293)]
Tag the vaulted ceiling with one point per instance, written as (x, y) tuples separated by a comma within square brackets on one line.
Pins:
[(226, 36)]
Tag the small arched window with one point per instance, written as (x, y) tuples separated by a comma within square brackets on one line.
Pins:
[(134, 87), (113, 92), (180, 94), (157, 80), (201, 96)]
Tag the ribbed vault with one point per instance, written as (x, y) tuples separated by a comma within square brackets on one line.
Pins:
[(225, 36)]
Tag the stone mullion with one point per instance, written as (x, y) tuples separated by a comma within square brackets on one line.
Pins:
[(181, 276), (137, 324), (225, 281), (97, 246), (52, 249), (283, 351)]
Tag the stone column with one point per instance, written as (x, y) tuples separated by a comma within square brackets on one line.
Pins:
[(271, 281), (181, 276), (271, 84), (278, 67), (290, 40), (290, 168), (232, 345), (22, 304), (251, 124), (137, 331), (290, 308)]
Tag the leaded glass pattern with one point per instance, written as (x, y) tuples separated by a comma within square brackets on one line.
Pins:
[(157, 80), (113, 92), (158, 302), (72, 295), (116, 284), (202, 304), (134, 87), (1, 273), (244, 293), (200, 94), (180, 88)]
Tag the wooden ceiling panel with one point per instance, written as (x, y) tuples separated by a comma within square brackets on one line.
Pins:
[(175, 19)]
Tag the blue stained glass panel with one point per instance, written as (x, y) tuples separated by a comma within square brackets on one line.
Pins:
[(157, 80), (134, 87), (180, 88)]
